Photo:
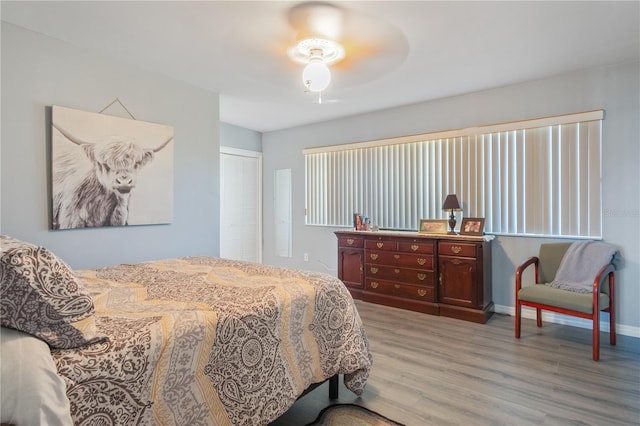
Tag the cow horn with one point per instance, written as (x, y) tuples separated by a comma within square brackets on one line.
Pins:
[(163, 145), (71, 137)]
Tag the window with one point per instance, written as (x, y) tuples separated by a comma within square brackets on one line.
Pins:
[(535, 177)]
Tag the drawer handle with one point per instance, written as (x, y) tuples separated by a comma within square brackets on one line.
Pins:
[(397, 271), (374, 284), (421, 277), (396, 256), (373, 256), (421, 261), (374, 270), (422, 292), (350, 241), (396, 285), (456, 249), (414, 247), (379, 245)]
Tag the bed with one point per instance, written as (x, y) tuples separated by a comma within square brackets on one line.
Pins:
[(196, 340)]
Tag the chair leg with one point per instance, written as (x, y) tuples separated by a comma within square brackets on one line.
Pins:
[(518, 314), (612, 327), (612, 310), (539, 317), (596, 335)]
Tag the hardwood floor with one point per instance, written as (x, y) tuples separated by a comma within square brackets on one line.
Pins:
[(431, 370)]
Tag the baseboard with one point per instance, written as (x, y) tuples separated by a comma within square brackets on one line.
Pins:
[(530, 313)]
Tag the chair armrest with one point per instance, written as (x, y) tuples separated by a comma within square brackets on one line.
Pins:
[(606, 270), (533, 260)]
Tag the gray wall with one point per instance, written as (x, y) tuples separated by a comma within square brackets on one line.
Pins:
[(615, 89), (239, 137), (38, 72)]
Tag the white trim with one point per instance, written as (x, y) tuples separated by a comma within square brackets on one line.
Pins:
[(554, 318), (478, 130), (240, 152)]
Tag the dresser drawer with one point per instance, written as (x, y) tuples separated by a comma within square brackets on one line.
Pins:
[(381, 244), (404, 260), (416, 247), (413, 276), (407, 291), (446, 248), (349, 241)]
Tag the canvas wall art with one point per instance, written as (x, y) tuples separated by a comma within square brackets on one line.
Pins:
[(109, 171)]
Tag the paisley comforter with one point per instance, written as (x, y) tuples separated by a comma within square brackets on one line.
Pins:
[(209, 341)]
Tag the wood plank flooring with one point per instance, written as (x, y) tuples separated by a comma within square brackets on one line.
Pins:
[(431, 370)]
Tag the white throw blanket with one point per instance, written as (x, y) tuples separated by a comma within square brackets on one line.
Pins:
[(581, 263)]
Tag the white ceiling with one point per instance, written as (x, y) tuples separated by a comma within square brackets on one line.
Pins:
[(398, 53)]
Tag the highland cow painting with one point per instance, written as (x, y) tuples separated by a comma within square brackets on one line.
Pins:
[(109, 171)]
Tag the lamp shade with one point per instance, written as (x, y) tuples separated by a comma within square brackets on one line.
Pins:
[(451, 203), (316, 75)]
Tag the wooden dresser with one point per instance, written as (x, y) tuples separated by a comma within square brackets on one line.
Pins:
[(446, 275)]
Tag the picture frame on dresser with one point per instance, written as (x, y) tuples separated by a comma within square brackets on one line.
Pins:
[(432, 226), (472, 226)]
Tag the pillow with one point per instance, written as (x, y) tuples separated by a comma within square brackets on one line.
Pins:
[(31, 391), (40, 295)]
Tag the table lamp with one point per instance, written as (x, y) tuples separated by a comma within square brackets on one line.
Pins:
[(451, 203)]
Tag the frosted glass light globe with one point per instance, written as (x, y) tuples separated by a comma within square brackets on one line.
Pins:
[(316, 76)]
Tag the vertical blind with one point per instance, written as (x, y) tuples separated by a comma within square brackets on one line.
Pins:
[(535, 177)]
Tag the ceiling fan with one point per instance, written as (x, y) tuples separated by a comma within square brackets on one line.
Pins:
[(328, 35)]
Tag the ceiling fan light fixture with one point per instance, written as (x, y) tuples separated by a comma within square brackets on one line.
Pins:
[(316, 76), (317, 54), (332, 52)]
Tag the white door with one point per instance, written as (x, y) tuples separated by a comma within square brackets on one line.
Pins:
[(241, 204)]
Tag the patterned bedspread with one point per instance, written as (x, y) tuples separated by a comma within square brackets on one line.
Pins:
[(209, 341)]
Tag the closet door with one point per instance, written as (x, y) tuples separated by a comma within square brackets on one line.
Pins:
[(240, 204)]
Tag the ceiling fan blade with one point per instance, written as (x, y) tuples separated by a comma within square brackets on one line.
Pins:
[(370, 43)]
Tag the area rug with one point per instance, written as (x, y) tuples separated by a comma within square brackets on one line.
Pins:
[(351, 415)]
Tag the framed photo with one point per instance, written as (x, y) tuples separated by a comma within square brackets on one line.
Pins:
[(433, 226), (357, 221), (472, 226), (360, 222)]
